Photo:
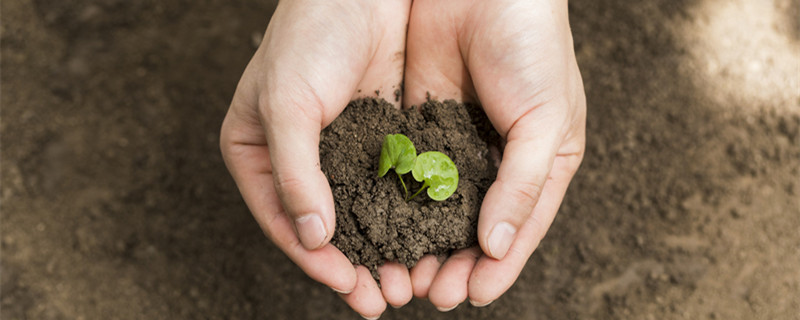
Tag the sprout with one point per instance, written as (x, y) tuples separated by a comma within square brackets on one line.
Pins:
[(434, 169), (439, 174), (397, 152)]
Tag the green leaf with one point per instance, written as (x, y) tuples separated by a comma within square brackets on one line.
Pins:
[(397, 152), (438, 172)]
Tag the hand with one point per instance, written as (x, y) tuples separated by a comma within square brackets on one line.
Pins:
[(316, 56), (517, 59)]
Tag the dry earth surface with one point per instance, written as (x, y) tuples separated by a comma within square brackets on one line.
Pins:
[(116, 203)]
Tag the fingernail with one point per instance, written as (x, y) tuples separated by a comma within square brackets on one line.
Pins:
[(341, 291), (311, 231), (368, 318), (446, 309), (475, 304), (500, 239)]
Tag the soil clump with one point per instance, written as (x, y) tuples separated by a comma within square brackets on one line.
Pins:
[(374, 223)]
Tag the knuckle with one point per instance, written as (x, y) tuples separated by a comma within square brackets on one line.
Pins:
[(287, 244), (288, 182), (285, 103), (226, 147), (517, 251), (576, 162), (225, 136), (524, 191), (270, 223)]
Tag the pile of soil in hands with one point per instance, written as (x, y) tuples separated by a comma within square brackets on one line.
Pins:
[(374, 223)]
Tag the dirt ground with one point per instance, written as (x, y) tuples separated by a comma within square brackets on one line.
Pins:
[(116, 203)]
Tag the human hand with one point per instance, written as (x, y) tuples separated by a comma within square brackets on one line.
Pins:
[(517, 59), (316, 56)]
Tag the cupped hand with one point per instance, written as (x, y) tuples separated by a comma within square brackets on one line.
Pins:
[(315, 57), (517, 59)]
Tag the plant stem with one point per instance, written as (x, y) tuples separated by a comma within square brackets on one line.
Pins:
[(418, 191), (403, 183)]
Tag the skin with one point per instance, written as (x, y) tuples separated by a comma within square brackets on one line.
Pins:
[(515, 57)]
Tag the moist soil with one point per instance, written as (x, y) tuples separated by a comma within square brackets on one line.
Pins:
[(115, 201), (374, 222)]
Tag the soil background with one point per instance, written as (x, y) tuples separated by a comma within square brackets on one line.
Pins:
[(116, 203)]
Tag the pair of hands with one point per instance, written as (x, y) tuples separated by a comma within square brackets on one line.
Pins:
[(515, 57)]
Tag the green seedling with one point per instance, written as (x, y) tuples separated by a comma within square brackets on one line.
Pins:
[(397, 152), (438, 173), (434, 169)]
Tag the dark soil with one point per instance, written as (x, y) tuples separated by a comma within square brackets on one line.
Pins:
[(116, 203), (374, 223)]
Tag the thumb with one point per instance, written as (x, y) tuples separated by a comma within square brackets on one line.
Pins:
[(292, 130), (521, 71), (532, 144), (306, 79)]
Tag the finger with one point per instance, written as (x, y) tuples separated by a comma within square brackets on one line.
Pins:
[(308, 95), (305, 80), (395, 284), (535, 109), (433, 59), (449, 288), (520, 58), (293, 139), (528, 156), (293, 112), (366, 299), (384, 75), (245, 155), (422, 275), (491, 277)]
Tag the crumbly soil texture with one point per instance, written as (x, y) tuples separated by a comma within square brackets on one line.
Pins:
[(374, 222), (115, 200)]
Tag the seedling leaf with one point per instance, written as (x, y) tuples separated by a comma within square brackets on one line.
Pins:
[(438, 173), (397, 152)]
